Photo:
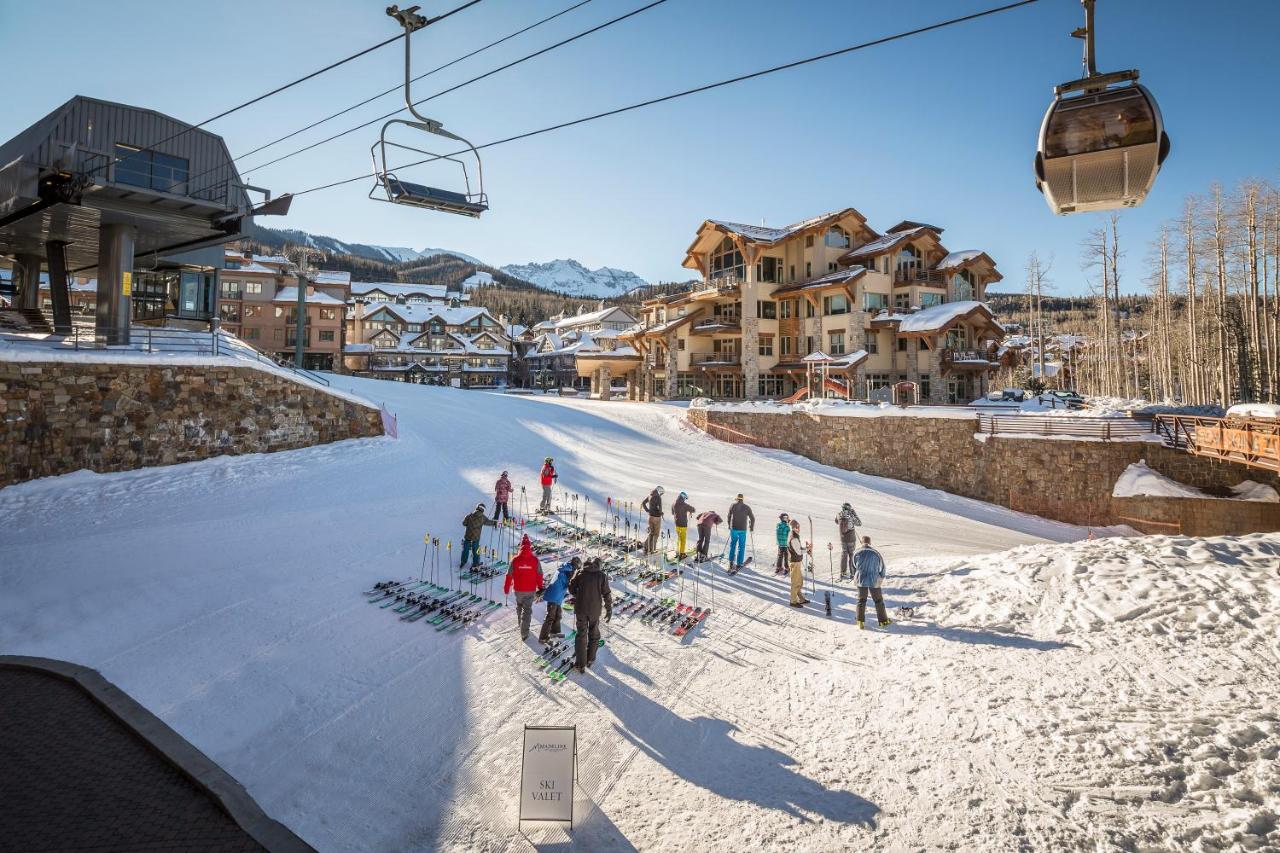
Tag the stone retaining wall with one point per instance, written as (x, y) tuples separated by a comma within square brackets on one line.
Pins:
[(57, 417), (1063, 479), (1196, 517)]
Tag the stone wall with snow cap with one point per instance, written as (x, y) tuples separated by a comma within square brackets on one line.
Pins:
[(62, 416), (1059, 478)]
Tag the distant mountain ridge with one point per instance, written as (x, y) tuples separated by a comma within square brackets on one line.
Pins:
[(565, 276), (569, 276)]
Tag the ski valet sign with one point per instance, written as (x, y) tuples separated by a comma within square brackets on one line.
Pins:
[(547, 773)]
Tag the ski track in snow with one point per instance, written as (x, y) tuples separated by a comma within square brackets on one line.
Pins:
[(1105, 694)]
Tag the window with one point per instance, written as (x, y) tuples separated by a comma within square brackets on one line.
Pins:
[(808, 269), (151, 170), (875, 381), (924, 345), (680, 344), (831, 266), (836, 238), (808, 341), (771, 385), (770, 270), (329, 314), (874, 301), (252, 311), (902, 344), (962, 284), (836, 303), (229, 312), (901, 301), (909, 262), (808, 308), (786, 345), (785, 309), (872, 342), (251, 333), (230, 290), (766, 310), (808, 241), (792, 270), (930, 299), (277, 334), (253, 287), (765, 345), (837, 343), (924, 387), (326, 335), (726, 260)]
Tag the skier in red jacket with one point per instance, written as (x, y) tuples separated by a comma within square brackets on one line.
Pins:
[(525, 576), (547, 477)]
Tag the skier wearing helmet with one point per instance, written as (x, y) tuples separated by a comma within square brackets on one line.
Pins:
[(473, 525), (680, 511), (501, 495), (782, 533), (653, 506), (547, 478), (848, 522)]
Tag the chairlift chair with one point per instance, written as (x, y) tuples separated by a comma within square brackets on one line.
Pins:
[(1102, 140), (390, 187)]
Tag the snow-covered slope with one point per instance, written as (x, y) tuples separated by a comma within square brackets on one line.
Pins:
[(569, 276), (1115, 694)]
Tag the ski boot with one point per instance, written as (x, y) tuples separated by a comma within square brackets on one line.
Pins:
[(861, 626), (885, 623)]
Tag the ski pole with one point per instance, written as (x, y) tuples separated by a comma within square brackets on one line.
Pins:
[(448, 547), (426, 543), (831, 569)]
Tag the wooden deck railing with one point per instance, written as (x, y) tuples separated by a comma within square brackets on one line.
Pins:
[(1255, 443), (1068, 426)]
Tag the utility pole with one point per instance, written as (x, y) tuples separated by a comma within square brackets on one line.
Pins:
[(302, 272)]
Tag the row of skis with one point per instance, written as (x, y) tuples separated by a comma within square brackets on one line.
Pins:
[(449, 600)]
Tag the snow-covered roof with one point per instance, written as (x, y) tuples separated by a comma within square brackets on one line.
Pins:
[(763, 234), (576, 320), (954, 260), (818, 357), (315, 297), (253, 268), (843, 276), (937, 317), (436, 291), (1263, 411), (331, 277), (887, 243), (422, 312)]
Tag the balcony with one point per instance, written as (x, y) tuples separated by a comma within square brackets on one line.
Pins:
[(960, 359), (717, 326), (715, 359), (918, 277)]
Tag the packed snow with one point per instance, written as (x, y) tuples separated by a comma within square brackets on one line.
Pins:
[(1107, 694), (1141, 480), (1263, 411)]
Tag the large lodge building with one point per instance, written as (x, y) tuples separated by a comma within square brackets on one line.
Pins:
[(829, 296)]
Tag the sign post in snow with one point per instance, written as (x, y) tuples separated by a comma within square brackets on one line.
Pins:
[(547, 773)]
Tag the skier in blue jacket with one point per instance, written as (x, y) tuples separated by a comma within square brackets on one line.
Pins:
[(554, 595), (869, 570)]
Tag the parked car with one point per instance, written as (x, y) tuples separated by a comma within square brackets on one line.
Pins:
[(1070, 398)]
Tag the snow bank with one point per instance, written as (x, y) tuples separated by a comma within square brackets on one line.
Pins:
[(1140, 480), (1266, 411)]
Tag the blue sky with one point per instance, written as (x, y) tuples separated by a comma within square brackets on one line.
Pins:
[(939, 128)]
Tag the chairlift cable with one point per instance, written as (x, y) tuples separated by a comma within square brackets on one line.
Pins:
[(290, 85), (458, 86), (696, 90), (398, 86)]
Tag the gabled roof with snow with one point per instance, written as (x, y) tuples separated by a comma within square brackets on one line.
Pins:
[(831, 279), (315, 297), (611, 313), (425, 312), (252, 269), (888, 243), (770, 236), (330, 277), (937, 318), (395, 288)]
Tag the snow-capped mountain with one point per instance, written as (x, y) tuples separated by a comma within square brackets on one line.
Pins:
[(569, 276)]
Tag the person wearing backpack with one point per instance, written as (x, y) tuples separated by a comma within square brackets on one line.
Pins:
[(782, 533), (848, 522), (472, 526), (795, 555), (554, 595)]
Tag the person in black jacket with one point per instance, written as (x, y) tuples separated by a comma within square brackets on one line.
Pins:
[(680, 512), (591, 596), (741, 521), (653, 506)]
